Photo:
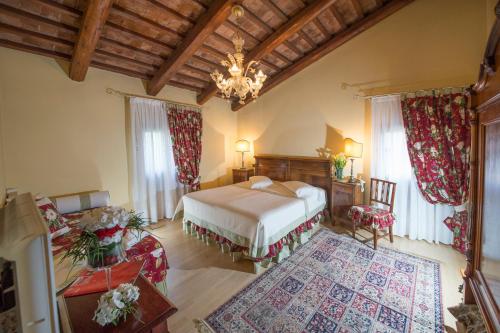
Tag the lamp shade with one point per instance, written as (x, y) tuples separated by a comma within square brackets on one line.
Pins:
[(242, 146), (352, 148)]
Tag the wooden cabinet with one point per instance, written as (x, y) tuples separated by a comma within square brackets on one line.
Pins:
[(482, 276), (344, 195), (242, 175)]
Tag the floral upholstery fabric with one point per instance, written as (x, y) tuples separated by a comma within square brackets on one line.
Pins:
[(55, 221), (458, 224), (186, 128), (61, 244), (370, 216), (150, 250), (438, 135)]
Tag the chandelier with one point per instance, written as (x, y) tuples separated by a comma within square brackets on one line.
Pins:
[(239, 83)]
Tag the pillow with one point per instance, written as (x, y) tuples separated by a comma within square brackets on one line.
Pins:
[(300, 189), (79, 202), (258, 182), (55, 222)]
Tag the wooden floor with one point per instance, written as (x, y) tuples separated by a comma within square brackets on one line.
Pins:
[(201, 278)]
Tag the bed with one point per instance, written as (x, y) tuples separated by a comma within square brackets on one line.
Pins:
[(265, 224)]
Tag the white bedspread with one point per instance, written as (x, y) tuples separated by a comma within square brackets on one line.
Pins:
[(256, 218)]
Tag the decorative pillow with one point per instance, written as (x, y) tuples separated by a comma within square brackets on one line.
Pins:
[(56, 223), (300, 189), (79, 202), (258, 182)]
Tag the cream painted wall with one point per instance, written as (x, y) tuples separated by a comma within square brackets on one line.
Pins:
[(61, 136), (426, 44)]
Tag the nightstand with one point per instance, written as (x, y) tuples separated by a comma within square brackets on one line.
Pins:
[(344, 196), (242, 175)]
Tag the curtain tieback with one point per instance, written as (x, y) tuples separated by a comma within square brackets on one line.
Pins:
[(461, 207)]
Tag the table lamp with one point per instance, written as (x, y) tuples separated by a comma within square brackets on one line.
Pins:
[(242, 146), (353, 150)]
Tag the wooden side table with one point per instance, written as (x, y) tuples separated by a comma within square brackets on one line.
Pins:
[(242, 175), (344, 196), (153, 309)]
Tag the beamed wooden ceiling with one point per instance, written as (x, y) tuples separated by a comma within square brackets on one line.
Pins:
[(180, 42)]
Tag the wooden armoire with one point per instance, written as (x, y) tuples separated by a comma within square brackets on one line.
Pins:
[(482, 276)]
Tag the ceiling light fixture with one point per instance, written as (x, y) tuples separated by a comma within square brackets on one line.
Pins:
[(239, 83)]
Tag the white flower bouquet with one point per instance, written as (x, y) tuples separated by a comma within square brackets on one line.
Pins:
[(101, 239), (115, 304)]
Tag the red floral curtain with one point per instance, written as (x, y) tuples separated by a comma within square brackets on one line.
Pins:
[(438, 133), (186, 128)]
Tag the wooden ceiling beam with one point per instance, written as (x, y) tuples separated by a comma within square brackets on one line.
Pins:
[(145, 65), (153, 58), (206, 62), (183, 85), (334, 42), (172, 12), (23, 14), (35, 50), (191, 78), (321, 28), (306, 37), (124, 12), (276, 10), (256, 20), (119, 70), (293, 48), (94, 19), (206, 25), (281, 57), (222, 56), (338, 17), (279, 36), (356, 5), (263, 25), (46, 26), (196, 70), (254, 40), (62, 8), (140, 36), (35, 35)]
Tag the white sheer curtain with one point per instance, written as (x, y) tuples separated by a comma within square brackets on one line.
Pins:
[(415, 217), (155, 188)]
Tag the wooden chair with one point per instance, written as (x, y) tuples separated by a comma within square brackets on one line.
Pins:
[(372, 217)]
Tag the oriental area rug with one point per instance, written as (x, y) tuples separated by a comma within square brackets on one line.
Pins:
[(334, 283)]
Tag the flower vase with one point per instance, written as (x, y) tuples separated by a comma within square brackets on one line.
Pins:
[(106, 255), (339, 173), (106, 229)]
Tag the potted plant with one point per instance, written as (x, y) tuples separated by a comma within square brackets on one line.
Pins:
[(339, 162)]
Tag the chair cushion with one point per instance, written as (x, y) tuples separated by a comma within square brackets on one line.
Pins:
[(371, 216)]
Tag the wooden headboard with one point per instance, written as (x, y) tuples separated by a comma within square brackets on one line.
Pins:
[(315, 171)]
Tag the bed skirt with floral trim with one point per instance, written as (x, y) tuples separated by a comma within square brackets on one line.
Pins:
[(275, 252)]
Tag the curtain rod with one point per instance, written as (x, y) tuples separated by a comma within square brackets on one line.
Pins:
[(112, 91), (357, 96)]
